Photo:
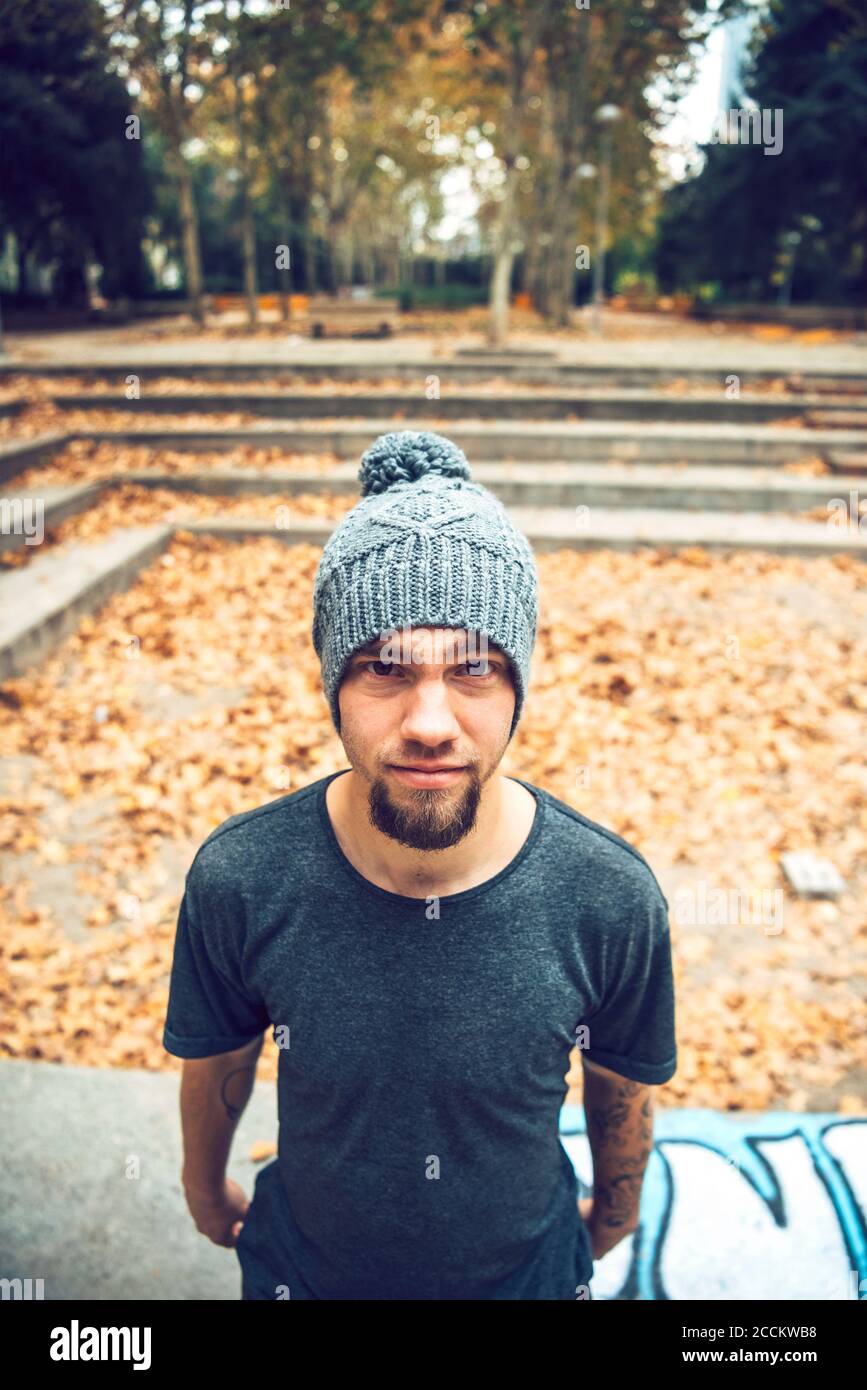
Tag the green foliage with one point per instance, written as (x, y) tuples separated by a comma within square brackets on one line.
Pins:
[(442, 296), (71, 183), (728, 224)]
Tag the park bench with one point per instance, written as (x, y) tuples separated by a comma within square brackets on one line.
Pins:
[(335, 316)]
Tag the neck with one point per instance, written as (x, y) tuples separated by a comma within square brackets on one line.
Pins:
[(416, 872)]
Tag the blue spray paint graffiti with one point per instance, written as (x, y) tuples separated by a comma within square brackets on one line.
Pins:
[(758, 1206)]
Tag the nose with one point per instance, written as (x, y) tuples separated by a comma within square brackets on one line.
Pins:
[(428, 717)]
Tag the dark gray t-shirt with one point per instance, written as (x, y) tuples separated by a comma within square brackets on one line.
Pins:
[(423, 1046)]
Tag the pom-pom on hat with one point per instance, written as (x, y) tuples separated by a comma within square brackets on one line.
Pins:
[(424, 547)]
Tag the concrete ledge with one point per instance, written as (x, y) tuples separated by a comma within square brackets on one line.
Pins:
[(508, 354), (304, 529), (847, 464), (605, 529), (42, 602), (556, 528), (618, 374), (649, 442), (555, 485), (653, 442), (24, 453), (58, 503), (598, 405), (70, 1215)]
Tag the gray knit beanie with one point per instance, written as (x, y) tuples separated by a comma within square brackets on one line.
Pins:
[(425, 547)]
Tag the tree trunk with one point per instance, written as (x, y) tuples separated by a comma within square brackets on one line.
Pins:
[(347, 257), (520, 58), (504, 257), (311, 275), (284, 277), (248, 225), (248, 238), (190, 237), (563, 257), (567, 83)]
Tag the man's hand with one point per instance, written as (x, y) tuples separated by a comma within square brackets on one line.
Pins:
[(620, 1133), (218, 1215), (602, 1238)]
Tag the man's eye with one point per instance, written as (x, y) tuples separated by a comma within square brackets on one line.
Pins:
[(477, 668), (388, 667)]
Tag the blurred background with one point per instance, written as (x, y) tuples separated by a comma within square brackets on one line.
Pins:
[(446, 154)]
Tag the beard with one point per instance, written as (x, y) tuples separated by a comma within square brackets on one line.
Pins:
[(429, 819)]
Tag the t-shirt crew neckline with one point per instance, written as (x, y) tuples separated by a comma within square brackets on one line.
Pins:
[(400, 898)]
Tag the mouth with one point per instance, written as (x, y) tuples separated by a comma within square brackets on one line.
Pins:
[(428, 775)]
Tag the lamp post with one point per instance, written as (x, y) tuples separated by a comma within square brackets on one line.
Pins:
[(584, 171), (606, 116)]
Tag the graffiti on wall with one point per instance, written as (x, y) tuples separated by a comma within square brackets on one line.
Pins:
[(760, 1206)]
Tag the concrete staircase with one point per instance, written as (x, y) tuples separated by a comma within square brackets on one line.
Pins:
[(621, 463)]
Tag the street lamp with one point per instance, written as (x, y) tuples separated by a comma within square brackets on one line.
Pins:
[(606, 116), (584, 171)]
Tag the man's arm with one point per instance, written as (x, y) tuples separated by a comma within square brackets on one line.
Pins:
[(214, 1093), (620, 1132)]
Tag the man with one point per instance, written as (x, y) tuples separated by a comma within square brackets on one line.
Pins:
[(429, 940)]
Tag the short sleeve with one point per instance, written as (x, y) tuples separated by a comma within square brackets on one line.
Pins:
[(633, 1031), (209, 1010)]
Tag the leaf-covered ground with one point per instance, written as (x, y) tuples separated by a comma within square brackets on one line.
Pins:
[(710, 709)]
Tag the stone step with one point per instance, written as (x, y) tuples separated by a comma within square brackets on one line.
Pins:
[(529, 485), (847, 464), (602, 528), (372, 368), (21, 512), (850, 384), (557, 485), (519, 407), (837, 417), (43, 601), (506, 353), (26, 453), (648, 442)]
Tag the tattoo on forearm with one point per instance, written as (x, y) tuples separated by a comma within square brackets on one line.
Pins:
[(610, 1119), (620, 1130), (619, 1198), (232, 1110)]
